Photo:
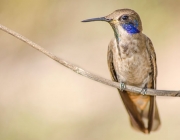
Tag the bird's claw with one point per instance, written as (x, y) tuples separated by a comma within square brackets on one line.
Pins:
[(122, 86), (144, 91)]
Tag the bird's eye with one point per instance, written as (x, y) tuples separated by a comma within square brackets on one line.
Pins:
[(125, 17)]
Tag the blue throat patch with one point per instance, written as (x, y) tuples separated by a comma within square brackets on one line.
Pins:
[(130, 28)]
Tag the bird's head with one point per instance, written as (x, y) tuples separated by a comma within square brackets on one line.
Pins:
[(123, 21)]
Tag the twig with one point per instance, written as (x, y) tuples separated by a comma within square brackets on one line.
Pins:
[(88, 74)]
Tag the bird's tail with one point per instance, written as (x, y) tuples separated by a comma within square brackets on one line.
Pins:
[(142, 111)]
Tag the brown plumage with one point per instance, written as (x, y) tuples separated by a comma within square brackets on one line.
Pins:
[(132, 60)]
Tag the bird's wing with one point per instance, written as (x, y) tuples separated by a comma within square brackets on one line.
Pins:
[(152, 55), (154, 119), (135, 117)]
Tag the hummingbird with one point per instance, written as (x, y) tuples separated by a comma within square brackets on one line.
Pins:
[(132, 60)]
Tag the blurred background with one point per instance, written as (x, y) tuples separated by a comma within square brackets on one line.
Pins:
[(42, 100)]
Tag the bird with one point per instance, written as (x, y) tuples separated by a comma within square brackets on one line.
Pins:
[(131, 60)]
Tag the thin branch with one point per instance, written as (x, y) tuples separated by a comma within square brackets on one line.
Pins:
[(88, 74)]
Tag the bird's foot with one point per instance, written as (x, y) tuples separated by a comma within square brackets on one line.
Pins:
[(122, 86), (144, 91)]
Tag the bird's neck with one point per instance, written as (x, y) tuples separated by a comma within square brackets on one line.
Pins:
[(124, 37), (121, 33), (130, 28)]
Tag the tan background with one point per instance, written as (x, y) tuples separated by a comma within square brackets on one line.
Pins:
[(42, 100)]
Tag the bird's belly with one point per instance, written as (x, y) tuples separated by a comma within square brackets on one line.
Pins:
[(134, 70)]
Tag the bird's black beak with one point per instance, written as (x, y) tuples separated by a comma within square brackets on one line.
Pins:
[(97, 19)]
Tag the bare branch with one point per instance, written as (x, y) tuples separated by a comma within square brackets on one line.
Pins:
[(82, 72)]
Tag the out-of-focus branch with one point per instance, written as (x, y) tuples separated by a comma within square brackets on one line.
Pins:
[(88, 74)]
